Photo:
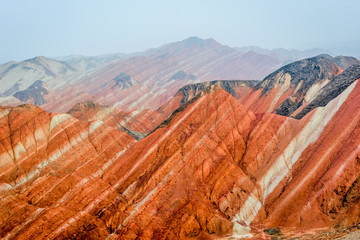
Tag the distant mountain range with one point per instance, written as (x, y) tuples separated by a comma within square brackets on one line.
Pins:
[(154, 73), (285, 55), (348, 48)]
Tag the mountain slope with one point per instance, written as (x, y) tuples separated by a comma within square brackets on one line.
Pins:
[(19, 79), (36, 92), (142, 122), (128, 168), (321, 185), (136, 123), (16, 76), (90, 63), (44, 158), (56, 74)]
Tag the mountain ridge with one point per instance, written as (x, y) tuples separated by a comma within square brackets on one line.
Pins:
[(206, 59)]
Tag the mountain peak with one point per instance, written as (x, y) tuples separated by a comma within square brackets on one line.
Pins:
[(193, 39), (311, 69), (199, 42), (123, 81), (324, 55), (38, 59)]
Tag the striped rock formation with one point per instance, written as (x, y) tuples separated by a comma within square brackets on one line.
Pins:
[(46, 160), (291, 88), (212, 169), (137, 123), (144, 121)]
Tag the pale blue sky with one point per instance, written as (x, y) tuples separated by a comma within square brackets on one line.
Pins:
[(88, 27)]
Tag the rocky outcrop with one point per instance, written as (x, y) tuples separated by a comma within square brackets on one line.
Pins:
[(332, 89), (36, 92), (290, 89), (236, 88), (344, 62), (301, 75)]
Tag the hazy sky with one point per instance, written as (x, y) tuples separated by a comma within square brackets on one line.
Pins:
[(88, 27)]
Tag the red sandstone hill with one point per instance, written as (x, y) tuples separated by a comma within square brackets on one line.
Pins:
[(139, 123), (214, 169)]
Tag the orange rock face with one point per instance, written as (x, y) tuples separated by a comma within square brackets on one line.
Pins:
[(143, 121), (205, 168), (324, 179), (138, 121), (45, 161)]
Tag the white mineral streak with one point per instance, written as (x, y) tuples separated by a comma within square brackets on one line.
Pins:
[(283, 164)]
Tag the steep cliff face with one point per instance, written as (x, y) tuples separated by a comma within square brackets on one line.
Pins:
[(332, 89)]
